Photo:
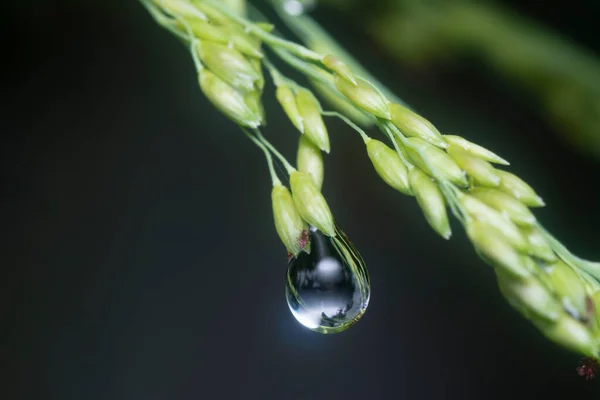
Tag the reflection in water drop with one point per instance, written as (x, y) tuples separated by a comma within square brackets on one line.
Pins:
[(328, 290), (297, 7)]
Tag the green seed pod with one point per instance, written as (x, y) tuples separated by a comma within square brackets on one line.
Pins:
[(310, 111), (229, 64), (412, 124), (341, 104), (206, 31), (538, 247), (339, 67), (290, 226), (482, 212), (257, 65), (529, 296), (439, 159), (569, 333), (479, 170), (214, 15), (506, 204), (516, 187), (363, 95), (286, 98), (474, 149), (310, 203), (254, 102), (247, 45), (493, 247), (570, 289), (223, 34), (310, 160), (389, 166), (181, 8), (431, 201), (228, 100)]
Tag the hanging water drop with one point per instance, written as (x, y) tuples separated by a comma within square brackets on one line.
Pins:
[(328, 290)]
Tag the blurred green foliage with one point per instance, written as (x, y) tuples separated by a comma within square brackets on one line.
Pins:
[(560, 76)]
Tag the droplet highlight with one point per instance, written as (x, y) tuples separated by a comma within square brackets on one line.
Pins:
[(298, 7), (328, 290)]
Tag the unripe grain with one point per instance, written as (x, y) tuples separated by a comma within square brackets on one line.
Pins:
[(493, 247), (431, 201), (312, 121), (412, 124), (505, 204), (229, 64), (388, 165), (477, 169), (441, 162), (310, 160), (519, 189), (530, 297), (287, 100), (474, 149), (228, 100), (310, 203), (289, 224), (363, 95)]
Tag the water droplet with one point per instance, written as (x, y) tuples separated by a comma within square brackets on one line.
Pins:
[(328, 290)]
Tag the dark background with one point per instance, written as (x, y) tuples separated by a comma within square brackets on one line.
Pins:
[(139, 255)]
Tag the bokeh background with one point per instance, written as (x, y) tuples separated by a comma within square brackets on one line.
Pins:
[(139, 255)]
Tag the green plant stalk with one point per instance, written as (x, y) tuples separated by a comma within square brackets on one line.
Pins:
[(288, 167), (351, 124), (311, 33), (495, 237), (274, 179), (272, 40)]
